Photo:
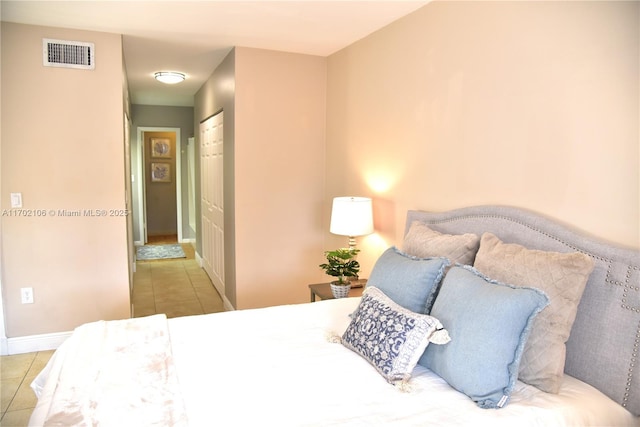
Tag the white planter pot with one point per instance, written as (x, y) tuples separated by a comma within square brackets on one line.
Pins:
[(340, 291)]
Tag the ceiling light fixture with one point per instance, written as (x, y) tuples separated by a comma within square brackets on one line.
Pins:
[(169, 77)]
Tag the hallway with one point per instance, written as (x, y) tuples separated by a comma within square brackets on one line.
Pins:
[(176, 287)]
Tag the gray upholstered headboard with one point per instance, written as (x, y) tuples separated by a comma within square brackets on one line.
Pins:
[(603, 349)]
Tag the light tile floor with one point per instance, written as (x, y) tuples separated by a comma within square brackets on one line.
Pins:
[(16, 374), (175, 287)]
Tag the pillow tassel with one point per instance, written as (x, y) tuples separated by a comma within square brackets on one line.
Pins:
[(440, 336), (334, 338), (404, 386)]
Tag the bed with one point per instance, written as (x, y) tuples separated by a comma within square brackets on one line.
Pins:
[(434, 340)]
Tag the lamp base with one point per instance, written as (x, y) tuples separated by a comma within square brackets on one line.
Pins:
[(358, 283), (352, 242)]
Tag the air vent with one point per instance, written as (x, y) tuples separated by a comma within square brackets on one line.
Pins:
[(68, 54)]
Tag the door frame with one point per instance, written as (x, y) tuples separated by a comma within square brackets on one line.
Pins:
[(142, 205)]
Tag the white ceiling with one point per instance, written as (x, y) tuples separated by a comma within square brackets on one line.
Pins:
[(194, 36)]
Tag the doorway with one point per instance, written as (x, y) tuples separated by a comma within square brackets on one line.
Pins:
[(159, 187)]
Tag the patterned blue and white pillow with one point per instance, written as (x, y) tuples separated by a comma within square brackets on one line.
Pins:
[(389, 336)]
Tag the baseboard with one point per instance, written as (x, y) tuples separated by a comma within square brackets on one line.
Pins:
[(192, 241), (4, 346), (138, 243), (227, 304), (33, 343)]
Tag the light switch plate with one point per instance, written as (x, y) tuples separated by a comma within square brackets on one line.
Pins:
[(16, 200)]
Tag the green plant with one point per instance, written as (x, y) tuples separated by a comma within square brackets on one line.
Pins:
[(341, 264)]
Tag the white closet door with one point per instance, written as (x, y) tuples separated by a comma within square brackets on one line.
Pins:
[(212, 200)]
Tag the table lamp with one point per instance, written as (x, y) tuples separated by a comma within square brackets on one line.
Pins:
[(351, 216)]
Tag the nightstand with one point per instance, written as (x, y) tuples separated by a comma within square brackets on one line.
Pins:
[(323, 290)]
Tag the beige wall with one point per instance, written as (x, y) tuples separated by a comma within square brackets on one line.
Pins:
[(279, 175), (63, 149), (530, 104)]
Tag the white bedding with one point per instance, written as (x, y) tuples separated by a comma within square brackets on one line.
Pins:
[(112, 373), (275, 366)]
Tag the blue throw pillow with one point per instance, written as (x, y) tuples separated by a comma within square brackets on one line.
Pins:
[(489, 323), (389, 337), (409, 281)]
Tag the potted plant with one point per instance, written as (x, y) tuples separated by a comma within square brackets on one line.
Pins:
[(341, 264)]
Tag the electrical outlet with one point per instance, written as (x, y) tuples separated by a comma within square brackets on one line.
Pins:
[(26, 295)]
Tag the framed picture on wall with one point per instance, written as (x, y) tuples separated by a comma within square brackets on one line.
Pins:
[(160, 172), (160, 148)]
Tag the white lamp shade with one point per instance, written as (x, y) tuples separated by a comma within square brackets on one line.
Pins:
[(351, 216)]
